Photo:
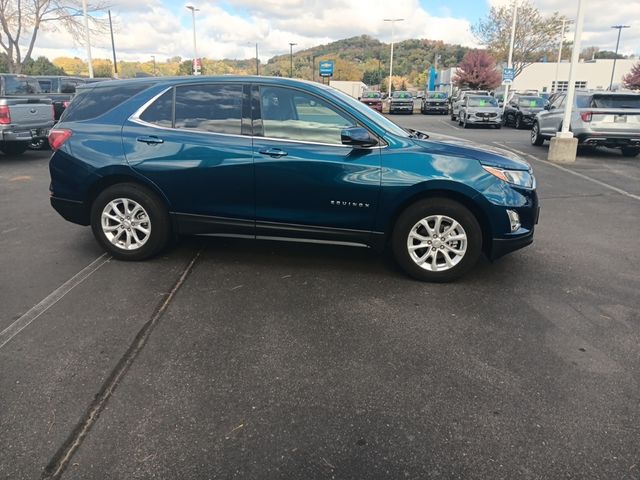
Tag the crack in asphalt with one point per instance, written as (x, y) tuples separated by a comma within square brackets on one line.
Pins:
[(60, 461)]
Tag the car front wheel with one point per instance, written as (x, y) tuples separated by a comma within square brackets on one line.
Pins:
[(437, 240), (130, 222)]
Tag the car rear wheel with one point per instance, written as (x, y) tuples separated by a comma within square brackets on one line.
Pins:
[(630, 151), (130, 222), (13, 148), (536, 138), (436, 240)]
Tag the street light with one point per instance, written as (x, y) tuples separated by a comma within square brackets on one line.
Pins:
[(393, 23), (291, 45), (615, 57), (514, 20), (196, 70), (564, 23), (257, 60), (86, 32)]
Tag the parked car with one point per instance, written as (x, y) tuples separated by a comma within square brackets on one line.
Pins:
[(608, 119), (401, 102), (521, 110), (480, 110), (459, 100), (25, 116), (60, 89), (147, 159), (372, 99), (435, 102)]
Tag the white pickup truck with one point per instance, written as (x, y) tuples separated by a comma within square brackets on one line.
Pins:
[(26, 116)]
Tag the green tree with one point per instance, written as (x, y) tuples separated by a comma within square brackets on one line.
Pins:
[(536, 35), (41, 66), (372, 77)]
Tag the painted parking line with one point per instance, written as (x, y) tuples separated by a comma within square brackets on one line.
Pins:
[(50, 300), (572, 172), (448, 124)]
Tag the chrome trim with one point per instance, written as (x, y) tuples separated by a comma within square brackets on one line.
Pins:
[(310, 240), (140, 111)]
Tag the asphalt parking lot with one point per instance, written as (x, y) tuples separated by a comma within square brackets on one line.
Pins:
[(242, 359)]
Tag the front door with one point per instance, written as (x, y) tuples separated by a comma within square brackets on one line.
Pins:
[(308, 184), (198, 157)]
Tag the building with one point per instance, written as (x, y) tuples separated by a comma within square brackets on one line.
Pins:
[(541, 76)]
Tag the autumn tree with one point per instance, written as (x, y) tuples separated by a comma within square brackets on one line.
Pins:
[(477, 70), (632, 79), (22, 20), (536, 35)]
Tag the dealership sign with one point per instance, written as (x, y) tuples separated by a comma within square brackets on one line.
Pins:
[(326, 68)]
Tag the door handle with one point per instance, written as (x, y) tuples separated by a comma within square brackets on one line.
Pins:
[(274, 152), (150, 140)]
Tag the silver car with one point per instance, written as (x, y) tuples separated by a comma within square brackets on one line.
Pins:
[(480, 110), (458, 101), (609, 119)]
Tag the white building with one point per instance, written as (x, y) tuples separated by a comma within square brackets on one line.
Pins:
[(541, 76)]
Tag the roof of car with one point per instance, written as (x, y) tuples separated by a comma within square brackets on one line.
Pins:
[(203, 78)]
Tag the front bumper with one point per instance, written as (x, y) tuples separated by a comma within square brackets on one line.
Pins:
[(400, 108), (501, 246), (484, 120), (71, 210)]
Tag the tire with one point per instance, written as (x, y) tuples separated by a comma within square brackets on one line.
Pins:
[(429, 210), (153, 216), (464, 122), (630, 151), (13, 148), (518, 123), (453, 116), (536, 138), (498, 126), (505, 119)]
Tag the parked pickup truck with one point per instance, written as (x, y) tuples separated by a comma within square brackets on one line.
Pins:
[(25, 116), (60, 89)]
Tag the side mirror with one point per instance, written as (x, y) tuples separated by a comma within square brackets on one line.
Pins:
[(547, 107), (357, 137)]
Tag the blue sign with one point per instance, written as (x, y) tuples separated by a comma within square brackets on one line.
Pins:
[(508, 74), (433, 75), (326, 68)]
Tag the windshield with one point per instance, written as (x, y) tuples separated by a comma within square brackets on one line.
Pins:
[(482, 102), (371, 95), (615, 101), (401, 95), (377, 118), (20, 85), (437, 95), (531, 102)]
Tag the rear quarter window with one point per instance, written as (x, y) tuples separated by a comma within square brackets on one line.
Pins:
[(94, 102)]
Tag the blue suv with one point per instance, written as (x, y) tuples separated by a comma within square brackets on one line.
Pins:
[(147, 159)]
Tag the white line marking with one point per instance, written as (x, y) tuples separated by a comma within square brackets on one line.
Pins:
[(572, 172), (448, 124), (50, 300)]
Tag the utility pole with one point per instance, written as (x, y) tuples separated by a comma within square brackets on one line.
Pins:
[(393, 23), (511, 42), (291, 45), (257, 61), (154, 65), (196, 69), (88, 37), (615, 57), (113, 48), (564, 22)]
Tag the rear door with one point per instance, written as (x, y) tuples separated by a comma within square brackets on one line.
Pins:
[(308, 184), (193, 141)]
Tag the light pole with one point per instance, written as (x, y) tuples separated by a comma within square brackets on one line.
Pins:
[(113, 48), (154, 65), (88, 39), (257, 60), (393, 24), (291, 45), (564, 23), (615, 57), (196, 70), (511, 42)]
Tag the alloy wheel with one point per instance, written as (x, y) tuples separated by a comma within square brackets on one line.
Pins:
[(125, 223), (437, 243)]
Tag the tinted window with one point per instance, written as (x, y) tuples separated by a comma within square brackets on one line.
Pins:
[(160, 111), (14, 85), (91, 103), (531, 102), (68, 85), (371, 95), (296, 115), (406, 95), (616, 101), (437, 95), (211, 108), (46, 86), (482, 102)]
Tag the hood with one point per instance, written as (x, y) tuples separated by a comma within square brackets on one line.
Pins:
[(485, 154)]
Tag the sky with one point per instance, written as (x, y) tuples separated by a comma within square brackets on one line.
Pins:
[(230, 28)]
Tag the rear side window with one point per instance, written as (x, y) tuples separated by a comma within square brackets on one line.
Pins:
[(14, 85), (211, 108), (160, 112), (94, 102)]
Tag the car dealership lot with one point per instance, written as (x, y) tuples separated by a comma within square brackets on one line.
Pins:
[(266, 360)]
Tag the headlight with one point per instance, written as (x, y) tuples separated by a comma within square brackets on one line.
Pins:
[(522, 178)]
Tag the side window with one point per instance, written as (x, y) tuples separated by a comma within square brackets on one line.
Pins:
[(212, 108), (294, 115), (558, 102), (160, 112), (94, 102), (45, 86), (67, 86)]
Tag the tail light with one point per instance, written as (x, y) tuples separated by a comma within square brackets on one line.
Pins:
[(5, 115), (66, 103), (58, 136), (586, 116)]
